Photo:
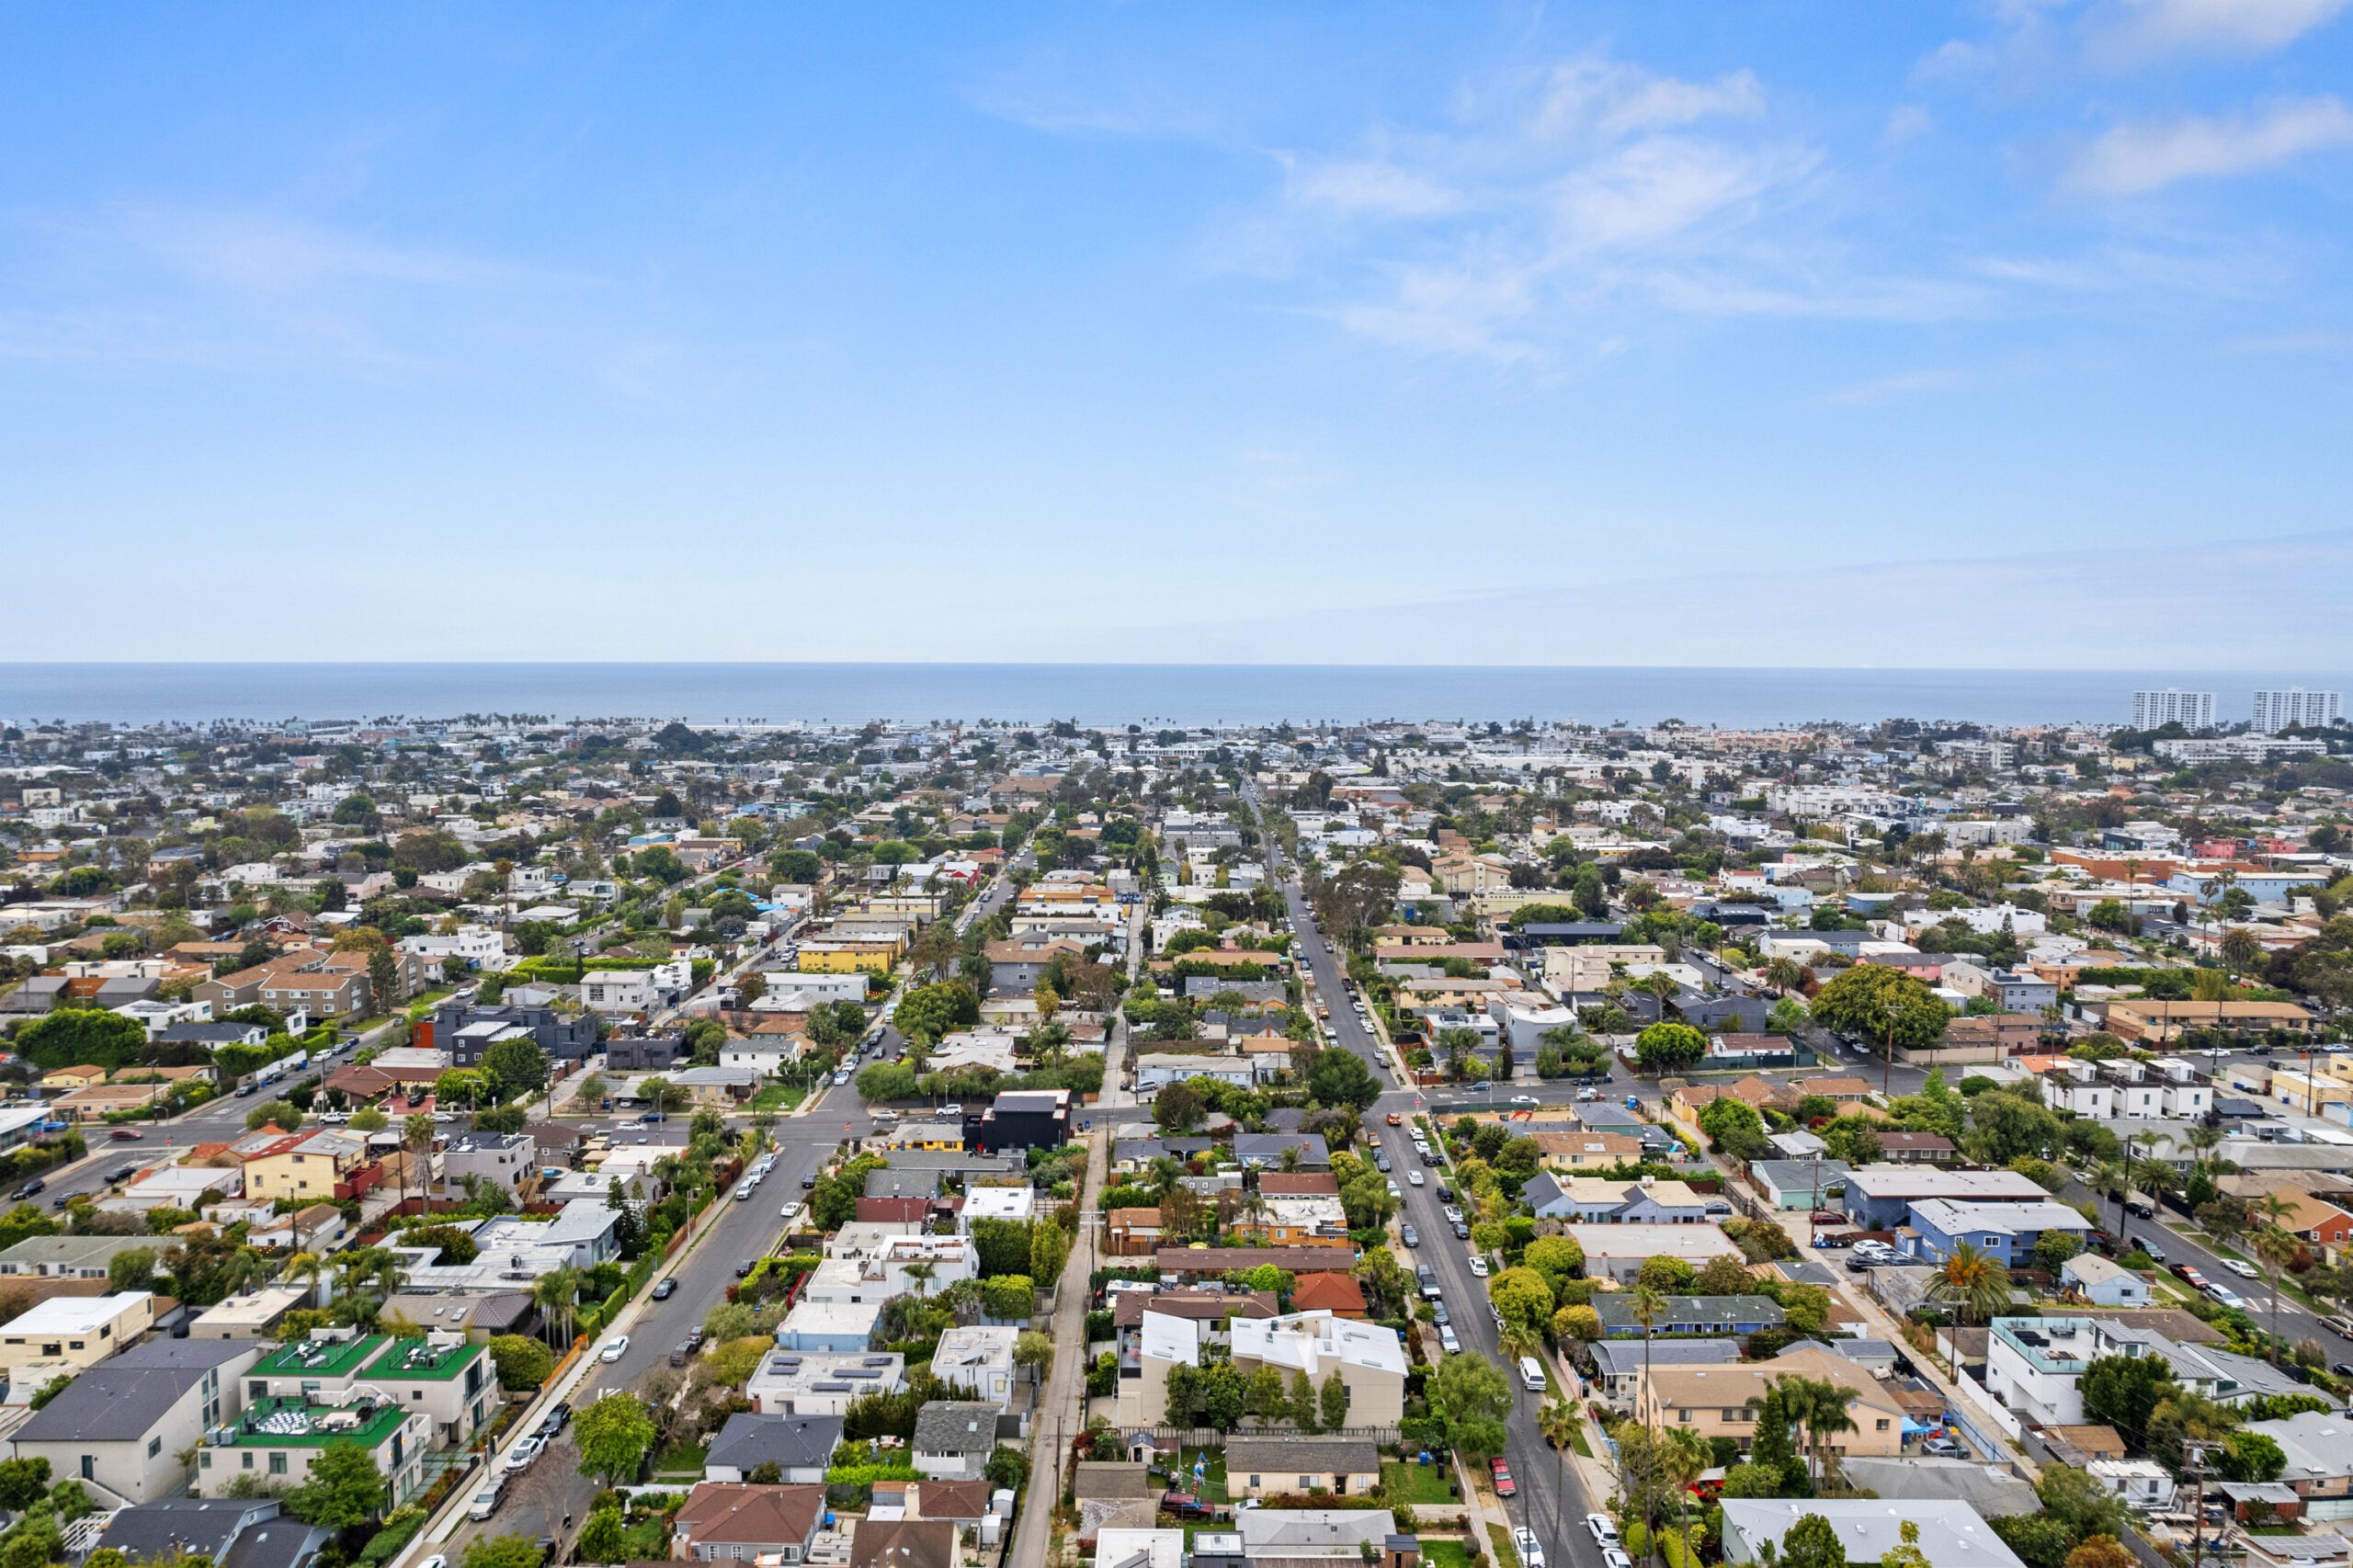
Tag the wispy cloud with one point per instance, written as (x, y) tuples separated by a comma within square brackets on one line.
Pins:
[(1888, 388), (2316, 340), (2135, 32), (1365, 186), (2135, 159)]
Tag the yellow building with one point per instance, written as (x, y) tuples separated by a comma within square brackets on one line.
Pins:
[(313, 1167), (67, 1078), (842, 958), (66, 1334), (1723, 1400)]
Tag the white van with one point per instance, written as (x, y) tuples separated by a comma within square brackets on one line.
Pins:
[(1531, 1374), (1446, 1340), (486, 1500)]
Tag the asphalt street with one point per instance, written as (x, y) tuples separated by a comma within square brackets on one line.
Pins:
[(1551, 1496)]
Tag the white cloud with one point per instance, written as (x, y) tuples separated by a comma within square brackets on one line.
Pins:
[(1908, 120), (1662, 185), (1617, 99), (2137, 158), (1887, 388), (2138, 30), (1369, 187)]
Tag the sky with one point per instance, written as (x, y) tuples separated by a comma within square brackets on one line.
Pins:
[(2007, 333)]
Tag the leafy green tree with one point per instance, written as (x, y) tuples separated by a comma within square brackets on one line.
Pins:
[(515, 1065), (1812, 1542), (1558, 1258), (1736, 1127), (1332, 1402), (1474, 1396), (501, 1551), (601, 1537), (2251, 1457), (343, 1489), (285, 1113), (522, 1362), (80, 1037), (1002, 1246), (928, 1012), (1523, 1296), (615, 1434), (1340, 1077), (1882, 1005), (23, 1482), (2123, 1391), (1667, 1047)]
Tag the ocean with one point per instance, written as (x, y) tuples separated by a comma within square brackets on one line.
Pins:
[(1151, 695)]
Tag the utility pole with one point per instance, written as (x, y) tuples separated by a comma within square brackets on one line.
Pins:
[(2193, 1457)]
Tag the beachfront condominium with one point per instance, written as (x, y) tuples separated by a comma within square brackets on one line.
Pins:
[(2190, 709), (2275, 710)]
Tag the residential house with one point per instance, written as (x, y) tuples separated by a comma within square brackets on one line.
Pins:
[(792, 1382), (730, 1522), (2103, 1281), (276, 1439), (2005, 1232), (1370, 1359), (801, 1447), (1595, 1200), (65, 1334), (310, 1167), (1951, 1533), (2034, 1367), (1618, 1252), (1723, 1400), (954, 1438), (1617, 1364), (235, 1532), (1701, 1315), (1880, 1196), (1020, 1118), (904, 1543), (1275, 1467), (1332, 1293), (2319, 1448), (124, 1422)]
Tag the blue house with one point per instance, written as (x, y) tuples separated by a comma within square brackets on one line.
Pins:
[(2005, 1232)]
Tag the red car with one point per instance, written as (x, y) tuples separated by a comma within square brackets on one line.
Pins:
[(125, 1134), (1396, 1121), (1505, 1485)]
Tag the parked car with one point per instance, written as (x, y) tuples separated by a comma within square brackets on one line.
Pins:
[(1531, 1550), (1613, 1558), (1410, 1236), (2240, 1267), (29, 1188), (1525, 1099), (616, 1350), (667, 1288), (1826, 1217), (1603, 1531), (1449, 1343), (520, 1456), (1478, 1267), (1505, 1485), (2224, 1295), (1461, 1232), (1438, 1313)]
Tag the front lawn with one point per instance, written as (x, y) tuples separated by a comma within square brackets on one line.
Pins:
[(680, 1460), (1419, 1484), (1211, 1488), (1445, 1552), (777, 1097)]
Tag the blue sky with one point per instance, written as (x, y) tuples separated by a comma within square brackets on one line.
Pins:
[(2003, 334)]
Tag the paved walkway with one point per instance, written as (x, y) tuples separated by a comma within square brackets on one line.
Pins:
[(1061, 1412)]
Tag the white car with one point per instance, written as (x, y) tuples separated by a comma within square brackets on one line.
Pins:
[(520, 1456), (1613, 1558), (616, 1350), (1603, 1531), (2223, 1296), (1525, 1099), (1531, 1551), (1478, 1265), (2239, 1266), (1415, 1178)]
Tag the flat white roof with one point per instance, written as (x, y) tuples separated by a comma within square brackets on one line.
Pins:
[(71, 1314)]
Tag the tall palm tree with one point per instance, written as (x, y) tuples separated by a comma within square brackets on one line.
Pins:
[(416, 1137), (2276, 1246), (920, 1276), (1973, 1281), (1785, 975), (1646, 1306), (555, 1293), (1684, 1457), (306, 1266), (1820, 1406)]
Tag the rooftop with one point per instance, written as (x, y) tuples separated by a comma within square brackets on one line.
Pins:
[(274, 1422)]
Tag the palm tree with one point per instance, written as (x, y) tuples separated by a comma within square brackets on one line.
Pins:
[(2275, 1245), (554, 1294), (306, 1266), (1647, 1306), (1973, 1281), (920, 1276), (1684, 1457), (416, 1137), (1820, 1406), (1785, 975)]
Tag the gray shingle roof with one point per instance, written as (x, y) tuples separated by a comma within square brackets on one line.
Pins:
[(790, 1442), (119, 1400), (955, 1426)]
